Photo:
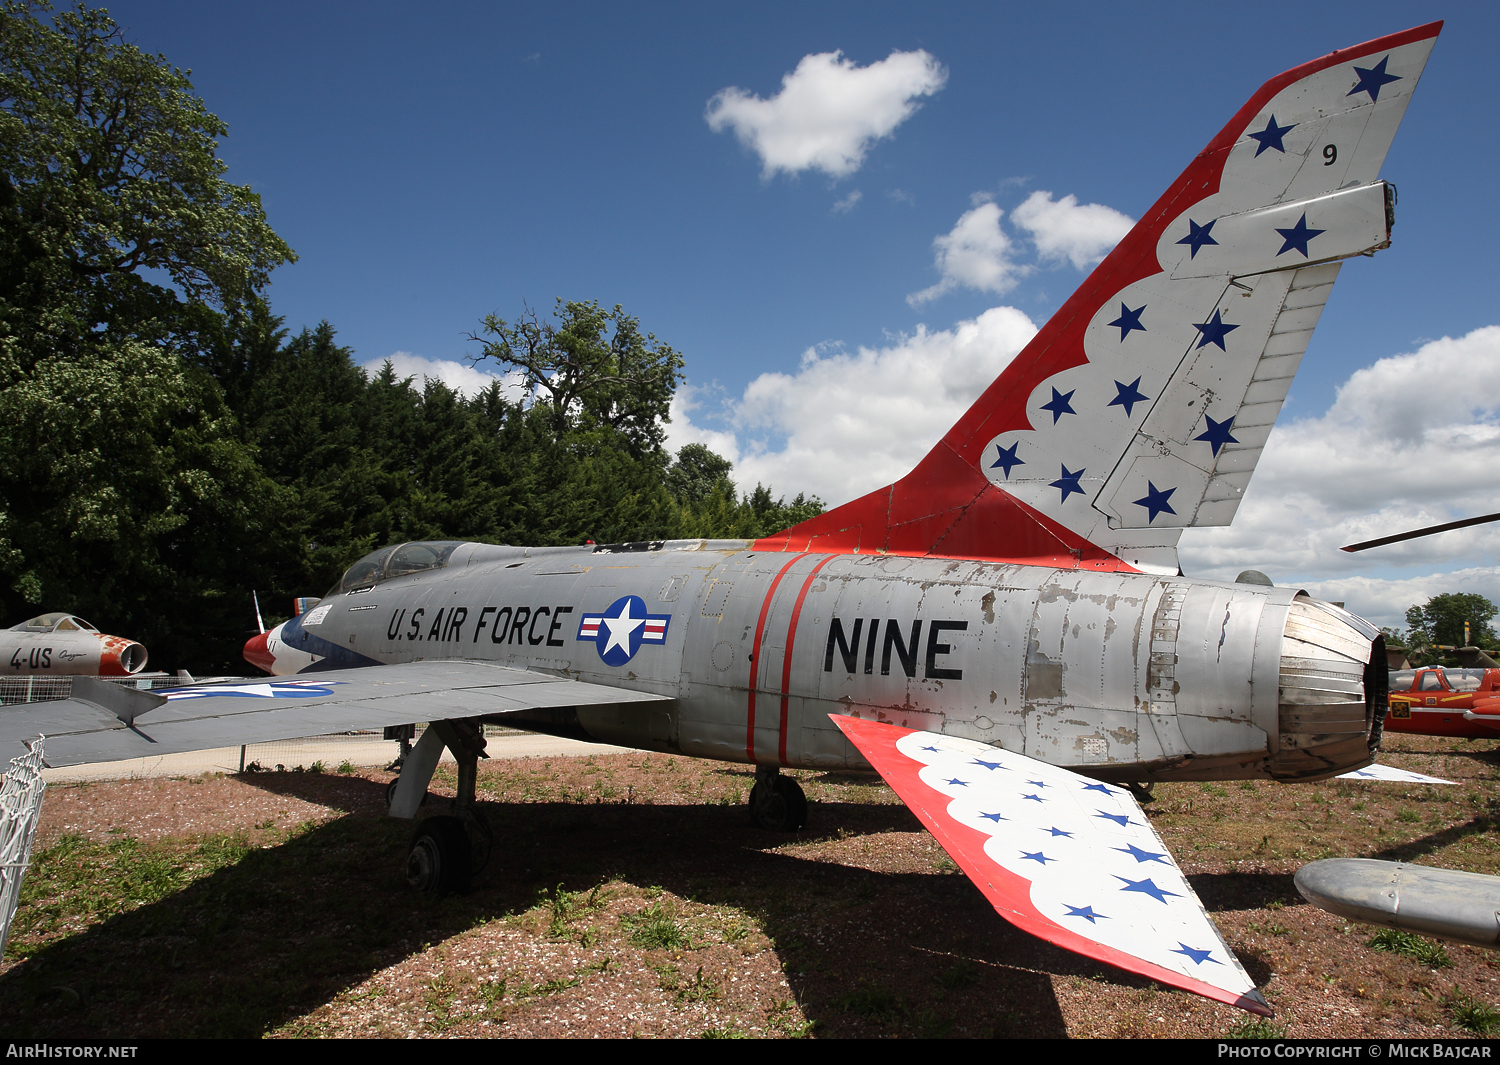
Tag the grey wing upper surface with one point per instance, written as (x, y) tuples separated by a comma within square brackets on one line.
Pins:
[(104, 723)]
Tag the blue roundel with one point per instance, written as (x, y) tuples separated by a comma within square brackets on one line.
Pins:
[(620, 630)]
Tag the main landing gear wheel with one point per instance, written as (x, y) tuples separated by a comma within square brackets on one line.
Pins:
[(440, 860), (777, 804)]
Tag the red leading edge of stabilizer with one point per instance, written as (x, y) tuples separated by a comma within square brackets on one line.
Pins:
[(1007, 892), (946, 507)]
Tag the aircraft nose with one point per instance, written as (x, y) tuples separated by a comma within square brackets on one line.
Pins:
[(258, 654)]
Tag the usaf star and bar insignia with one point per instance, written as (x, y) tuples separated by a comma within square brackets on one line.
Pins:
[(622, 628)]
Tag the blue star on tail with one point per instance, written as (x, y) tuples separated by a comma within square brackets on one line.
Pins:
[(1270, 137), (1129, 396), (1214, 331), (1217, 433), (1156, 501), (1007, 459), (1198, 236), (1068, 482), (1297, 237), (1371, 80), (1129, 319), (1060, 405)]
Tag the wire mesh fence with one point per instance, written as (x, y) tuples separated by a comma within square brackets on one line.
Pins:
[(304, 754), (44, 689), (20, 801)]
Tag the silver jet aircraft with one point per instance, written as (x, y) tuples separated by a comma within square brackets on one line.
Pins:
[(57, 644), (1004, 634)]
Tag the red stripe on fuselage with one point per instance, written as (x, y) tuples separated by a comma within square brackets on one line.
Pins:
[(786, 663), (760, 628)]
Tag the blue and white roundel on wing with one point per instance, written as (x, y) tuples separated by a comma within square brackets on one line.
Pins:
[(1096, 866), (268, 690)]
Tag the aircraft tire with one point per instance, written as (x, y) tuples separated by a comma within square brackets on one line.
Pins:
[(783, 809), (439, 860)]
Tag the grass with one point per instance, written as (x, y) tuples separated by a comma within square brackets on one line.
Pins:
[(566, 906), (962, 975), (1470, 1014), (1252, 1027), (1395, 941), (875, 1001), (77, 881), (283, 920), (655, 928)]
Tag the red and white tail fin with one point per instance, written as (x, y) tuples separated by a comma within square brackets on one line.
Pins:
[(1142, 406)]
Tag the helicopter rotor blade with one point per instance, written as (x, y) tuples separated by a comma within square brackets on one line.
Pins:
[(1428, 531)]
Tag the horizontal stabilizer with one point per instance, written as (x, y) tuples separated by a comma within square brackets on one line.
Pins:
[(1392, 775), (1063, 857)]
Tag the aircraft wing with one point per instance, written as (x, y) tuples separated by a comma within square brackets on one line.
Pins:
[(1066, 858), (103, 722)]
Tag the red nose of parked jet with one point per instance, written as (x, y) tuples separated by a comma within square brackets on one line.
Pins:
[(258, 654)]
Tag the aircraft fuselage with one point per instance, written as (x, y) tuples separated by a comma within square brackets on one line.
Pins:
[(1122, 675)]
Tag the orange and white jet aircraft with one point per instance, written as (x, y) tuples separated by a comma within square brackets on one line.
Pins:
[(1004, 634)]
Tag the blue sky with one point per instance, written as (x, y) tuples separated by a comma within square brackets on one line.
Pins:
[(433, 164)]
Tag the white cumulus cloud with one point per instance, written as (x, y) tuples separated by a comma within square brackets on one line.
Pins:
[(845, 424), (829, 111), (1065, 229), (976, 253), (1413, 440), (459, 376)]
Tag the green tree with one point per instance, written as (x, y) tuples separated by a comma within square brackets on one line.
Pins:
[(1441, 620), (697, 472), (593, 369), (127, 492), (108, 169)]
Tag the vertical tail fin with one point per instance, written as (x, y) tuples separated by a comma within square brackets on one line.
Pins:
[(1142, 406)]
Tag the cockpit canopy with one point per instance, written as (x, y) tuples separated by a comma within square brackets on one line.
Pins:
[(1433, 677), (54, 623), (399, 560)]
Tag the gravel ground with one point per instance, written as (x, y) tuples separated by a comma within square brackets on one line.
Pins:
[(629, 895)]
